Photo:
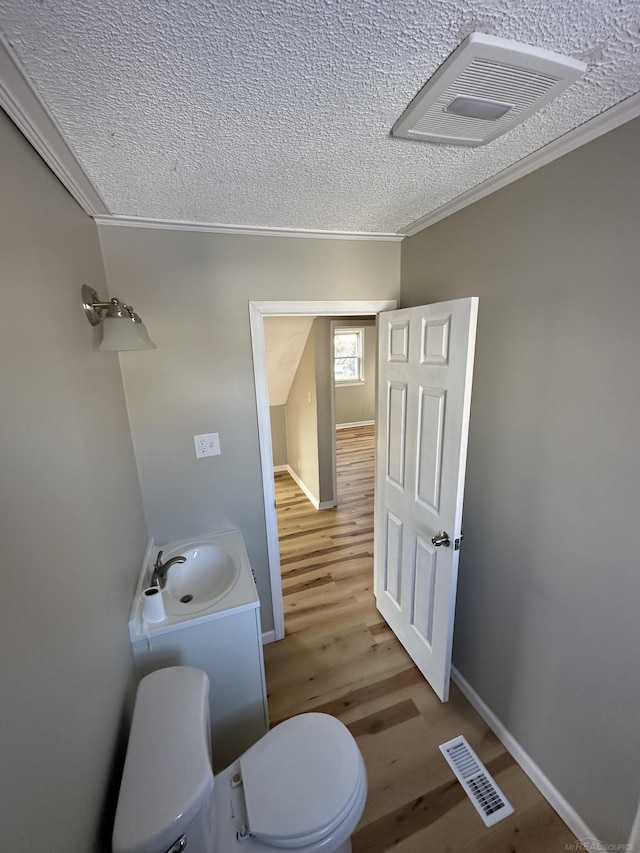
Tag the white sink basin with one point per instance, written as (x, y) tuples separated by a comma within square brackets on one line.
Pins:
[(208, 574), (215, 580)]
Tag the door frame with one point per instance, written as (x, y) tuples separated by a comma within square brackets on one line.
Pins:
[(257, 312)]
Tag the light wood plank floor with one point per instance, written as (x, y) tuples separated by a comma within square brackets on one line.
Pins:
[(339, 657)]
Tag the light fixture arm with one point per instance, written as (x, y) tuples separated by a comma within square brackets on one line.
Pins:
[(94, 308), (116, 336)]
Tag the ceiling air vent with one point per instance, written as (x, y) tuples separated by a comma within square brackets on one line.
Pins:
[(486, 87)]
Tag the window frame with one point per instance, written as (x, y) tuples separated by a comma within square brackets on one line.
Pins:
[(359, 332)]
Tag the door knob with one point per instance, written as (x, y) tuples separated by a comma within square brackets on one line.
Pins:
[(441, 538)]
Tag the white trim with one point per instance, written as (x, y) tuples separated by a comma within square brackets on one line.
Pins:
[(252, 231), (634, 838), (355, 424), (358, 331), (610, 119), (542, 783), (302, 485), (30, 114), (268, 637), (330, 308), (316, 503), (308, 493), (266, 462), (257, 312)]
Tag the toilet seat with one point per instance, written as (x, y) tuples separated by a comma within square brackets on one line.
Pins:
[(301, 780)]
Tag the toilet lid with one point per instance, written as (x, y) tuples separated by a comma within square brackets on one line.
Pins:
[(300, 779)]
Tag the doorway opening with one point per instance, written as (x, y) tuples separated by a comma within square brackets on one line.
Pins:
[(257, 313), (326, 557)]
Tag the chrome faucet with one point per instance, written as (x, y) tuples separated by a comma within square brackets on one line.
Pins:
[(159, 576)]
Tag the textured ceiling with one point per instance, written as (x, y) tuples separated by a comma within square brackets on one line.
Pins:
[(277, 113)]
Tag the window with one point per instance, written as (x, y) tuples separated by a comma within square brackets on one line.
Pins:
[(347, 353)]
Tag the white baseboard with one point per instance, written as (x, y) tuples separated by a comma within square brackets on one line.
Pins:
[(314, 500), (546, 788), (355, 424), (268, 637), (634, 838)]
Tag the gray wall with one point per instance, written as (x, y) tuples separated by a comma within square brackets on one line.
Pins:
[(278, 435), (325, 415), (357, 403), (193, 290), (549, 592), (71, 523), (301, 415)]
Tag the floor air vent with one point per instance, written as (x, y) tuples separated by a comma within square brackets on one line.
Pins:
[(490, 802), (487, 86)]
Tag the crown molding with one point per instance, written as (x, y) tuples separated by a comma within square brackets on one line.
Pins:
[(599, 125), (243, 230), (29, 113)]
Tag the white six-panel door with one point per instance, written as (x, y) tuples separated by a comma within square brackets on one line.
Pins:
[(424, 396)]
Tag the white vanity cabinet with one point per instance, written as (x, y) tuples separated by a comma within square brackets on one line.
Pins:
[(226, 643)]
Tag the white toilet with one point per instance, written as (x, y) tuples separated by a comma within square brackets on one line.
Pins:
[(302, 787)]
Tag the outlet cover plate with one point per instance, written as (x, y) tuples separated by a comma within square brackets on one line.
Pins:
[(207, 444)]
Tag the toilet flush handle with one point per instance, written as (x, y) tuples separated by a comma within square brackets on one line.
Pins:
[(179, 845)]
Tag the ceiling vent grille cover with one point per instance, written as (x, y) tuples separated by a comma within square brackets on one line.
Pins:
[(486, 87), (490, 802)]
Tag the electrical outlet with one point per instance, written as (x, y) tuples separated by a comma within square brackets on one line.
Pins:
[(207, 444)]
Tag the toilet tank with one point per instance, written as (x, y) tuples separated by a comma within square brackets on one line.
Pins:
[(167, 782)]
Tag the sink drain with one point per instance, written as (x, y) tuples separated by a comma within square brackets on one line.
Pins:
[(186, 599)]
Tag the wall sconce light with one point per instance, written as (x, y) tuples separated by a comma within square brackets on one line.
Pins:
[(122, 329)]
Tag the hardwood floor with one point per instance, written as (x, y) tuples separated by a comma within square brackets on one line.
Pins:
[(339, 657)]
